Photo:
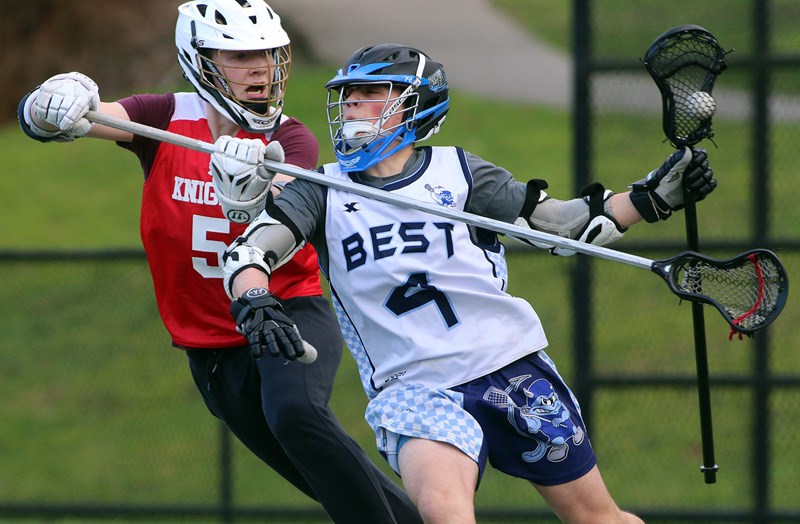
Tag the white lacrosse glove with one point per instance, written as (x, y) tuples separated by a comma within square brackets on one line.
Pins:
[(63, 101), (241, 181)]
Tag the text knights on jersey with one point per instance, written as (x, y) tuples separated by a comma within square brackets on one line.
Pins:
[(194, 191)]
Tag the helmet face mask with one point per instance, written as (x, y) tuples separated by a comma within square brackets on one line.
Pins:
[(411, 110), (387, 119), (220, 42), (231, 81)]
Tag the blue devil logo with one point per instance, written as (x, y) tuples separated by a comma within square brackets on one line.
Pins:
[(441, 196), (539, 415)]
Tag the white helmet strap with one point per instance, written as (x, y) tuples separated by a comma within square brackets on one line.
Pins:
[(400, 100)]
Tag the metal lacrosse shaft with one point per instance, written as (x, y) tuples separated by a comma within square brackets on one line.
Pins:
[(709, 467), (384, 196)]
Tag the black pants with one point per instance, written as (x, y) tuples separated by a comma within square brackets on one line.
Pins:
[(280, 412)]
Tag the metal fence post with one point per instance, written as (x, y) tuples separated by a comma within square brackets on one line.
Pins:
[(761, 169), (581, 278)]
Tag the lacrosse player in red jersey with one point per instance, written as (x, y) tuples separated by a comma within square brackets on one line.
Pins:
[(237, 57), (453, 366)]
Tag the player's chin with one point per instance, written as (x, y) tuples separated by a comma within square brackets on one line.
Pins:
[(257, 105)]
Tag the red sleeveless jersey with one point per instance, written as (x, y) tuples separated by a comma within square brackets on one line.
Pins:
[(182, 227)]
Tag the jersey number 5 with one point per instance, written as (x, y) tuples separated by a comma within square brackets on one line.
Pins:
[(201, 227)]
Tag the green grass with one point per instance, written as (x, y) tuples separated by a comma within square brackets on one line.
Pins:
[(98, 408)]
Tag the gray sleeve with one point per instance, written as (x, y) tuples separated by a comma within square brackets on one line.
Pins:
[(495, 192), (303, 203)]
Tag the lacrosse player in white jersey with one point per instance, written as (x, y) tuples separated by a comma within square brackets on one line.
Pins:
[(454, 367)]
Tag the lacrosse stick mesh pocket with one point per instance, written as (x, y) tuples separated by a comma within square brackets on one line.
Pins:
[(749, 290)]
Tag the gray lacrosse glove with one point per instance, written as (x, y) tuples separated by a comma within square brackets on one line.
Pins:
[(261, 318), (241, 182), (62, 101), (662, 191)]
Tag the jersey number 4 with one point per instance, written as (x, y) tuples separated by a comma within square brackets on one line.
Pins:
[(418, 292)]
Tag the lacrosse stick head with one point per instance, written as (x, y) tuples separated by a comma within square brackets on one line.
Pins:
[(684, 62), (749, 290)]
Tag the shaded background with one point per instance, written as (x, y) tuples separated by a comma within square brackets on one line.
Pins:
[(120, 44), (99, 416)]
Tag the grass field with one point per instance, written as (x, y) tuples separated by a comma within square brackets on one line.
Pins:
[(98, 409)]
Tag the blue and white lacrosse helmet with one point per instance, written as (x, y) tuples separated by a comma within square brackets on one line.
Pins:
[(207, 26), (423, 101)]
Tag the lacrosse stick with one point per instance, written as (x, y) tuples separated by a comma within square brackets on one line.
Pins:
[(684, 62), (498, 397), (749, 290)]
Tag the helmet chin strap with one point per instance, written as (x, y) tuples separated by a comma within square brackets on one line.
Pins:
[(260, 107)]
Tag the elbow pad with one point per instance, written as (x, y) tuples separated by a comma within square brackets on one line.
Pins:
[(602, 228), (266, 244), (586, 219)]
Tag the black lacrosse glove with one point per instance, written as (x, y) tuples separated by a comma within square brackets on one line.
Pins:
[(662, 191), (699, 179), (261, 318)]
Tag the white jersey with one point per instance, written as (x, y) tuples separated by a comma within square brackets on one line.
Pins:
[(421, 299)]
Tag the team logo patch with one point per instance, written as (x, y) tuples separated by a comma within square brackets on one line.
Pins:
[(239, 216), (256, 292), (437, 81), (535, 411), (347, 164), (440, 195)]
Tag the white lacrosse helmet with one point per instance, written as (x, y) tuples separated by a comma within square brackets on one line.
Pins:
[(206, 26)]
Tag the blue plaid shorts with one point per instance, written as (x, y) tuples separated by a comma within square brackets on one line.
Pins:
[(522, 418)]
